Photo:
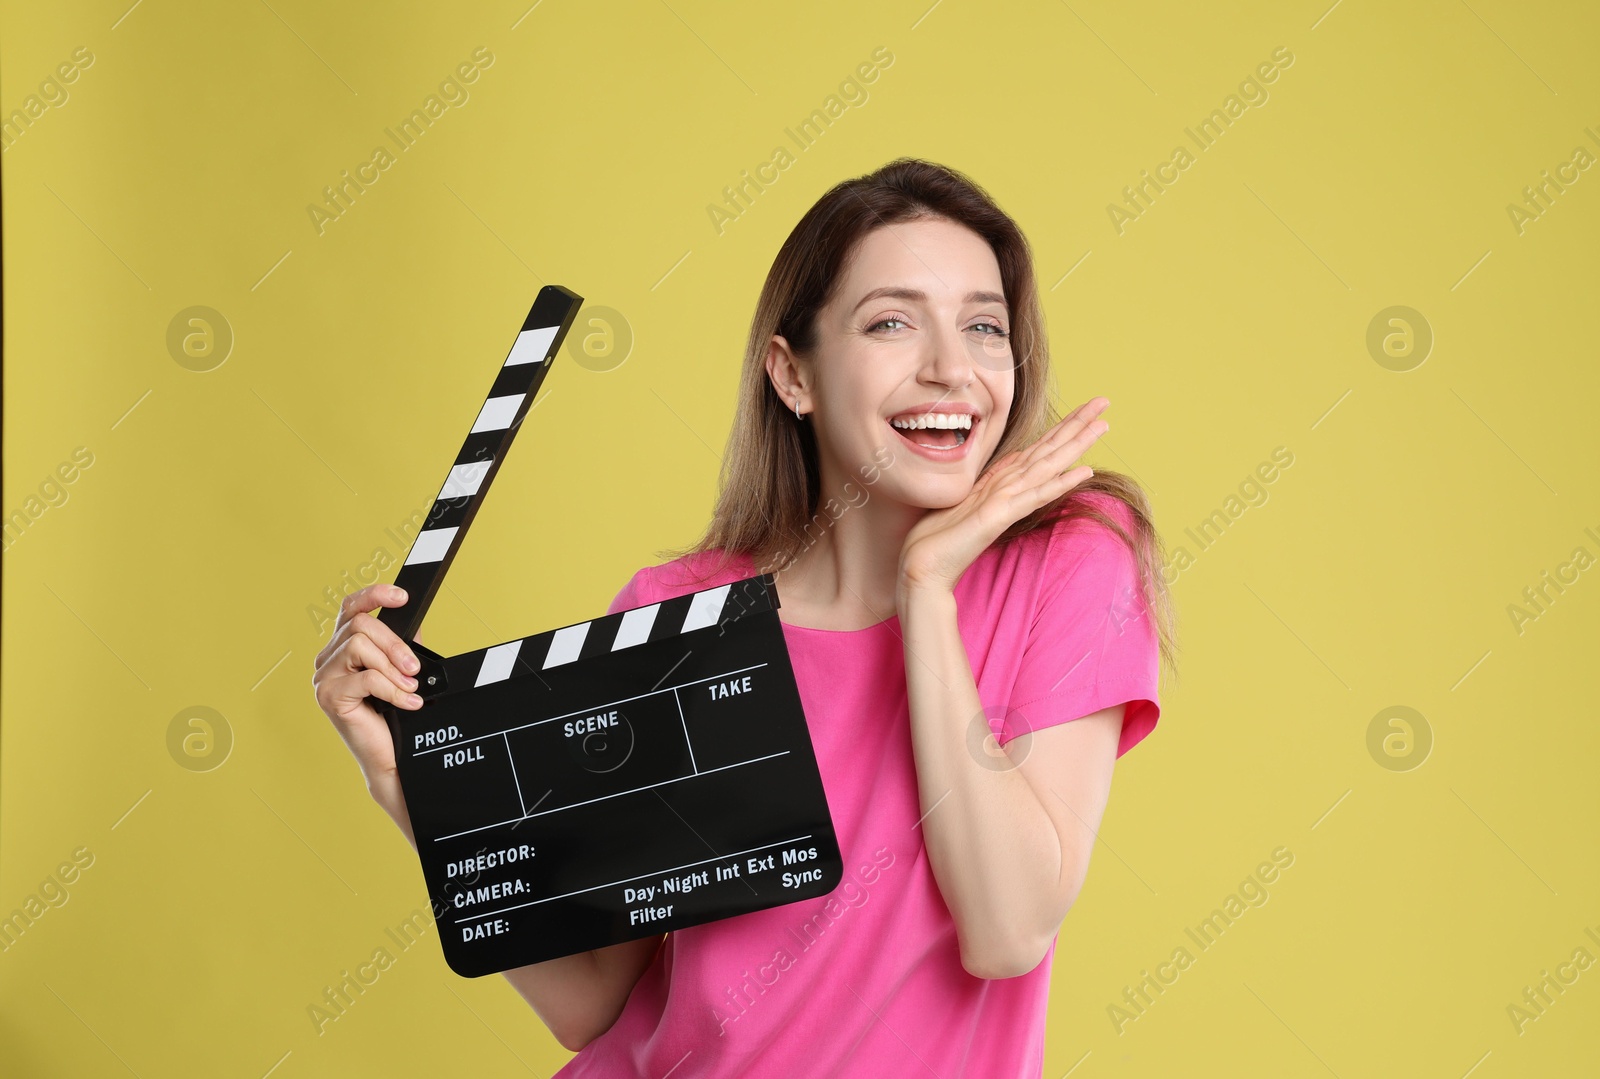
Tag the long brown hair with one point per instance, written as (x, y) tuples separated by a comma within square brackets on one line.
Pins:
[(770, 481)]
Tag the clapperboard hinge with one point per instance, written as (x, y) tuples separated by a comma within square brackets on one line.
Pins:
[(433, 678)]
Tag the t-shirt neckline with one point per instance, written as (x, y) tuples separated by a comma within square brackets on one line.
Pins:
[(841, 632)]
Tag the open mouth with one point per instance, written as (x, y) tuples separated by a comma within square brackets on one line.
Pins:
[(935, 430)]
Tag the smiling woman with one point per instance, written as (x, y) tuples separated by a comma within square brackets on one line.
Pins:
[(974, 646), (900, 322)]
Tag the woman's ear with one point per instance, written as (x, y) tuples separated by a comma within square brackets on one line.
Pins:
[(786, 372)]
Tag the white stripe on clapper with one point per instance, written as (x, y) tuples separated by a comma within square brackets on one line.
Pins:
[(431, 545), (497, 413), (464, 480), (566, 644), (635, 627), (705, 608), (531, 345), (497, 663)]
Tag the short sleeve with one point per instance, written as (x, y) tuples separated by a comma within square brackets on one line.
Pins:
[(1092, 643), (633, 593)]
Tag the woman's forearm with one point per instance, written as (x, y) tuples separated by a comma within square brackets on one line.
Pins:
[(580, 996), (992, 846), (577, 996)]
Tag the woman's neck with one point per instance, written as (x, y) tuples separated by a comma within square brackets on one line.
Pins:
[(846, 576)]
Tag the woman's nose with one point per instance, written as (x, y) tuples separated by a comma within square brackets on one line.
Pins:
[(951, 361)]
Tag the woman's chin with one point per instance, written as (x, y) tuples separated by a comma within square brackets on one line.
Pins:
[(934, 493)]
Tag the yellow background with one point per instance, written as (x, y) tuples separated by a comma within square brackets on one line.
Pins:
[(1229, 320)]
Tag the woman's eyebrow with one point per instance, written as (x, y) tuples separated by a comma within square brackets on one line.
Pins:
[(913, 295)]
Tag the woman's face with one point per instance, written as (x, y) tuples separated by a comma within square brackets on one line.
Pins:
[(913, 354)]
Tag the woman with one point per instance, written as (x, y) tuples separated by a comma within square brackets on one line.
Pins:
[(954, 590)]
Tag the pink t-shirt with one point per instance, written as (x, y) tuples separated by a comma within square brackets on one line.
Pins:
[(868, 980)]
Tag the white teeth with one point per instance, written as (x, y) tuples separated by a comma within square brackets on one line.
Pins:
[(942, 420)]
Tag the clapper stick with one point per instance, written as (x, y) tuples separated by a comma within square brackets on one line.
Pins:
[(479, 459)]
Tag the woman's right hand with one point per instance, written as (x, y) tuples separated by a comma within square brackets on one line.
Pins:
[(578, 996), (365, 658)]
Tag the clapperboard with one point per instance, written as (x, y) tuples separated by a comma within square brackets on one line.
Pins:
[(641, 772)]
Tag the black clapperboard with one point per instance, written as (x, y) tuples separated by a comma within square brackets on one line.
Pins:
[(618, 778)]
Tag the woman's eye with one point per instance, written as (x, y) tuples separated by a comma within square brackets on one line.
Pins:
[(990, 328)]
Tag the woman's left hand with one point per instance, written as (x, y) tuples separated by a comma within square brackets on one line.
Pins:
[(940, 547)]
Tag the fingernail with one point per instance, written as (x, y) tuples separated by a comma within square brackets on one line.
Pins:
[(412, 665), (413, 700), (412, 683), (400, 594)]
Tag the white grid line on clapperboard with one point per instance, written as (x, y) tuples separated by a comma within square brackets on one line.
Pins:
[(614, 794), (521, 801), (585, 711), (677, 700), (624, 880)]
